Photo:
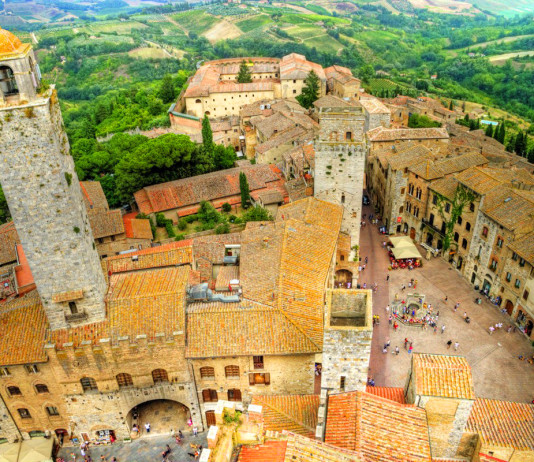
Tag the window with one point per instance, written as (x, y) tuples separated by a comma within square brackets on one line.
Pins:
[(258, 362), (160, 376), (207, 372), (525, 295), (467, 226), (24, 413), (343, 198), (234, 394), (259, 379), (459, 220), (464, 243), (508, 277), (521, 262), (435, 199), (485, 231), (52, 411), (294, 92), (73, 308), (209, 396), (456, 237), (403, 191), (416, 212), (499, 242), (517, 284), (231, 371), (342, 257), (342, 383), (471, 207), (100, 240), (124, 380), (348, 136), (410, 189), (31, 368), (41, 388), (514, 256), (88, 384), (447, 207), (493, 264), (14, 391), (401, 209), (418, 193), (4, 372), (198, 101)]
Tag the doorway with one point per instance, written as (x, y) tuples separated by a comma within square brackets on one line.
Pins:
[(412, 233), (163, 415)]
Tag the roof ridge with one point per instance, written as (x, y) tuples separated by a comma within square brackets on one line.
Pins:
[(275, 408)]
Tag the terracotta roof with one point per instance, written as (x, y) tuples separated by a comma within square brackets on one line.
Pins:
[(209, 187), (294, 413), (172, 254), (459, 163), (445, 186), (400, 159), (332, 101), (10, 44), (136, 228), (93, 195), (286, 137), (511, 208), (478, 179), (391, 393), (8, 239), (374, 106), (226, 274), (394, 134), (503, 423), (23, 328), (295, 66), (524, 247), (245, 328), (303, 449), (442, 375), (277, 123), (23, 273), (106, 223), (376, 428), (268, 197), (270, 451)]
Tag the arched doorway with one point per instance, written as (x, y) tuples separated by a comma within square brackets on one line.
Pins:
[(509, 307), (529, 327), (343, 278), (412, 233), (8, 83), (163, 415)]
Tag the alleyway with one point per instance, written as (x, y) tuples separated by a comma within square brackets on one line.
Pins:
[(497, 371)]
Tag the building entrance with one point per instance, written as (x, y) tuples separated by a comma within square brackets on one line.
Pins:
[(163, 415)]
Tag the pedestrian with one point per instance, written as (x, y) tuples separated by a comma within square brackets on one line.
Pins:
[(403, 287), (415, 284), (103, 459), (449, 343), (435, 328), (397, 350), (147, 427), (465, 314), (406, 343), (195, 431), (395, 326), (359, 269), (378, 319), (384, 350), (388, 342), (390, 319), (509, 329), (491, 329), (410, 349), (443, 328), (114, 459), (366, 260), (363, 267), (456, 345), (446, 298), (387, 278)]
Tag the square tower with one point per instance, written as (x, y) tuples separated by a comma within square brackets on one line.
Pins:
[(43, 192), (340, 163)]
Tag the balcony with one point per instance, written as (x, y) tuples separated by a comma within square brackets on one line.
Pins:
[(76, 317), (432, 226)]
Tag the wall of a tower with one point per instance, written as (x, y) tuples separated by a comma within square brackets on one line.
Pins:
[(45, 201)]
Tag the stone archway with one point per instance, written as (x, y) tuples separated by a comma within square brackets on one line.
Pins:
[(163, 415), (343, 278), (509, 307)]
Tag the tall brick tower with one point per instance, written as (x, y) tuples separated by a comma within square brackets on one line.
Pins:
[(43, 192), (340, 163)]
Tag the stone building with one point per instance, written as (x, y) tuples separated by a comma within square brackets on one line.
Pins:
[(340, 163), (381, 137), (376, 113), (44, 194)]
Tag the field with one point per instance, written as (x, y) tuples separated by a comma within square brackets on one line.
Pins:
[(254, 22), (148, 53), (445, 6), (197, 21), (377, 85), (223, 30), (501, 59)]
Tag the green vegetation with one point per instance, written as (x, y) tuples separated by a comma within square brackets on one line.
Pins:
[(244, 75), (421, 121), (245, 190), (310, 91)]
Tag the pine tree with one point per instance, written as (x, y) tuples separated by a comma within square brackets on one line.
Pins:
[(244, 75), (489, 130), (520, 144), (310, 91), (451, 105), (207, 134), (166, 90), (245, 190), (500, 133)]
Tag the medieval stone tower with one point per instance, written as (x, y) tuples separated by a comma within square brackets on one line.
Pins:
[(340, 163), (43, 192)]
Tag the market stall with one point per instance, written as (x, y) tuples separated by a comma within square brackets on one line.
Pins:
[(9, 452), (403, 253), (36, 450)]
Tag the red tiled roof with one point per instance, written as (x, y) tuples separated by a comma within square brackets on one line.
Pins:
[(93, 195), (105, 222), (391, 393), (209, 187), (23, 272), (8, 238), (136, 228), (270, 451)]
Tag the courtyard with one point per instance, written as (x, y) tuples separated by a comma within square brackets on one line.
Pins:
[(497, 371)]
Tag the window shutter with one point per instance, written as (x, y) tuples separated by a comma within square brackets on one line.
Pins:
[(205, 395), (251, 379), (237, 395), (267, 377), (213, 395)]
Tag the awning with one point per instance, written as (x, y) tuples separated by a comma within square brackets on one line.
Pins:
[(9, 452), (36, 450), (403, 248)]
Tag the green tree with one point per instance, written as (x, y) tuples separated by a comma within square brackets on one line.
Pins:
[(244, 75), (4, 209), (245, 190), (520, 144), (310, 91), (166, 90), (257, 213), (451, 105), (367, 72), (489, 130), (500, 132), (207, 134), (421, 121)]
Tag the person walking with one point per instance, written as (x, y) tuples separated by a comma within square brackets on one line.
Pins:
[(388, 342), (387, 278), (443, 328), (195, 431), (410, 349), (456, 345), (395, 326), (390, 320), (147, 427), (406, 343), (449, 343), (397, 350)]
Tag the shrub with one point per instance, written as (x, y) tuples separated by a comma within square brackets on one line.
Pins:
[(222, 228), (68, 177), (182, 224), (232, 218), (76, 229), (160, 219), (257, 213), (191, 218), (180, 237), (170, 229), (226, 207)]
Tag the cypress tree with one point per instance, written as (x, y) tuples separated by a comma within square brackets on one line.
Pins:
[(489, 130), (244, 75), (245, 190), (451, 105), (207, 134), (310, 91)]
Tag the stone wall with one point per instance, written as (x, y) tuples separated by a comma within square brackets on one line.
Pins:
[(8, 427), (26, 72), (45, 200)]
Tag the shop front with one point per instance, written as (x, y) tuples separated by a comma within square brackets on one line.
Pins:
[(524, 322)]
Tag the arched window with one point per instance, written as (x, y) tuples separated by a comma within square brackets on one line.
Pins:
[(160, 375), (88, 384), (124, 380), (24, 413), (14, 391), (41, 388), (198, 101), (231, 371), (207, 372), (8, 83)]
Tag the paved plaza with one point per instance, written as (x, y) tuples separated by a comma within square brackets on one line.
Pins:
[(144, 449), (497, 371)]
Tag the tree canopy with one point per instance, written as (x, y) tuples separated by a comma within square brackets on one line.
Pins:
[(244, 75), (310, 91)]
